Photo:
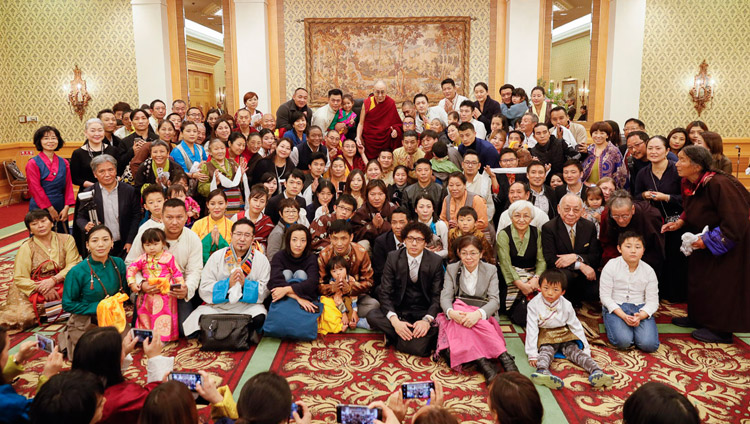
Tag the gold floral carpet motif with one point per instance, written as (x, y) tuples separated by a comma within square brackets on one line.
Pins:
[(359, 369)]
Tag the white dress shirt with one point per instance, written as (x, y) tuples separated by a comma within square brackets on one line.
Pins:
[(457, 100), (541, 314), (482, 186), (468, 286), (480, 129), (412, 262), (617, 285), (111, 208)]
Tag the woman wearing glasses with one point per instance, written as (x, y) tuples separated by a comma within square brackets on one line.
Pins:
[(469, 332)]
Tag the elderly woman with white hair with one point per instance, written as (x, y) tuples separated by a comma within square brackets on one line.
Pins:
[(520, 256), (95, 145)]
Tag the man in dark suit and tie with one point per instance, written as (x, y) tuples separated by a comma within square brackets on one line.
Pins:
[(409, 294), (117, 206), (388, 242), (570, 244)]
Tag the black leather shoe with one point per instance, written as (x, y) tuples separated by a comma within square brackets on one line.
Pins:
[(508, 362), (487, 369), (710, 336), (446, 355), (684, 322)]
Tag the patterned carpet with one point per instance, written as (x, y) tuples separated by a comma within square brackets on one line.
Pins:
[(355, 368)]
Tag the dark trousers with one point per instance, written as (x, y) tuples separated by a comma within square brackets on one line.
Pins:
[(185, 308), (580, 289), (422, 346)]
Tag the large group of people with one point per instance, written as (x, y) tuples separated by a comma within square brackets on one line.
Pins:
[(424, 223)]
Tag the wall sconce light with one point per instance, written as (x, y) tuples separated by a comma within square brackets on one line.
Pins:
[(78, 97), (583, 93), (702, 91)]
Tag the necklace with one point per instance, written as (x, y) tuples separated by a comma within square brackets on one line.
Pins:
[(91, 152), (276, 169)]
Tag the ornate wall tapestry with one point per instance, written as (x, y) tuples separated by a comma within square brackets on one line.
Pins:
[(409, 54)]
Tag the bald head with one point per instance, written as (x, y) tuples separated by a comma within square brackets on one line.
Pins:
[(570, 209), (379, 90)]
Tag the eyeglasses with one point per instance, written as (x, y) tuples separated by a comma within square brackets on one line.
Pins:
[(620, 217), (471, 162), (345, 208), (242, 235), (633, 146), (473, 254), (417, 240)]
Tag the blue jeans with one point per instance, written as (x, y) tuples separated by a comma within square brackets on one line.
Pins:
[(296, 277), (622, 336)]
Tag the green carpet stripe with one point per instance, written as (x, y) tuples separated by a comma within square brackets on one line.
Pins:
[(17, 347), (260, 362), (553, 414), (10, 247), (12, 230)]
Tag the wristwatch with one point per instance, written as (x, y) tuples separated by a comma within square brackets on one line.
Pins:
[(579, 258)]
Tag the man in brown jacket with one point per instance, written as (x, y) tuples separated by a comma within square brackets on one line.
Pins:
[(360, 267)]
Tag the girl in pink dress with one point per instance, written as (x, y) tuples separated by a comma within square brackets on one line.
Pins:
[(156, 311)]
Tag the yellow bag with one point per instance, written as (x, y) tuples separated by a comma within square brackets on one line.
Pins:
[(330, 318), (110, 312)]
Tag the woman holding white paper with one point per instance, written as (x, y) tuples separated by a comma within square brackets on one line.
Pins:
[(225, 174)]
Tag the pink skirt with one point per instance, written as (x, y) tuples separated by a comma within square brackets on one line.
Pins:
[(158, 312), (483, 340)]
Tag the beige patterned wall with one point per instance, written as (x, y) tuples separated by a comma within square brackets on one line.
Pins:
[(294, 32), (679, 35), (570, 59), (41, 42)]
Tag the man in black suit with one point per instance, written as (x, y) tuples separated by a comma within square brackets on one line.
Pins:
[(570, 244), (293, 187), (409, 294), (387, 243), (572, 173), (542, 195), (117, 206)]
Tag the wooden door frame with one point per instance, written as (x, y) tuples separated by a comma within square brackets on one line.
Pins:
[(598, 56)]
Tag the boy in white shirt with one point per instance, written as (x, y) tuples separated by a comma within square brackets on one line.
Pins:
[(552, 326), (629, 292)]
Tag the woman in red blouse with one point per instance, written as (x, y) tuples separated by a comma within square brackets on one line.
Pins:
[(49, 178)]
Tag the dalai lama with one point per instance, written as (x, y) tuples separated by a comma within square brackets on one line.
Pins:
[(380, 124)]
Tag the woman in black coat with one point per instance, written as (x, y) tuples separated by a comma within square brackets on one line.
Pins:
[(485, 107)]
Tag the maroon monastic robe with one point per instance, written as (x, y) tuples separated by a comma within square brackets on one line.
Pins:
[(380, 119)]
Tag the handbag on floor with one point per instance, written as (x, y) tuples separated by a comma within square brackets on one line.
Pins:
[(517, 312), (225, 332), (287, 320)]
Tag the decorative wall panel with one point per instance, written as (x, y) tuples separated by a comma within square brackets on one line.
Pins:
[(297, 10), (41, 42), (406, 53), (679, 34)]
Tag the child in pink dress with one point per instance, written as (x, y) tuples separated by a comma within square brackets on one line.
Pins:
[(156, 311), (344, 119)]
